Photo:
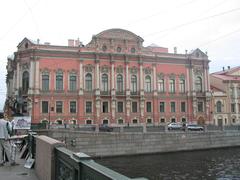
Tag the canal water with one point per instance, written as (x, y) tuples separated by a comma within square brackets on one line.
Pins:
[(220, 164)]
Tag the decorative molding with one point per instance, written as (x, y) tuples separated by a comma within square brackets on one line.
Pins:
[(160, 76), (119, 69), (198, 71), (133, 70), (172, 76), (88, 68), (181, 76), (104, 69), (147, 70), (25, 66)]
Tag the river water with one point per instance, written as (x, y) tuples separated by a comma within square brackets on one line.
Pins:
[(221, 164)]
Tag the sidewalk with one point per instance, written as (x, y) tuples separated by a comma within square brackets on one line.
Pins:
[(19, 172)]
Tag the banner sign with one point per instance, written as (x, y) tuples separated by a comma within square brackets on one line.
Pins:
[(23, 122)]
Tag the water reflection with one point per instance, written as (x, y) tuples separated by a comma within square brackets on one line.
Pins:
[(221, 164)]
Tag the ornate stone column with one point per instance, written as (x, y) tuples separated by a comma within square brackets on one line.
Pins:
[(31, 76), (81, 77), (37, 77), (17, 79)]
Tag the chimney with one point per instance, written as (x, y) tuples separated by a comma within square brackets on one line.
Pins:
[(77, 43), (228, 67), (71, 42), (175, 50), (223, 68), (185, 51), (38, 41)]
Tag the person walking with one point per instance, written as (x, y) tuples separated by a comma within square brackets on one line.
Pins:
[(5, 146)]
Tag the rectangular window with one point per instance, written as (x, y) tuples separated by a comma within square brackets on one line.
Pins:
[(120, 107), (73, 83), (134, 107), (200, 106), (105, 107), (161, 85), (45, 82), (149, 107), (182, 86), (59, 81), (88, 107), (73, 106), (233, 108), (172, 86), (59, 107), (44, 106), (162, 107), (173, 107), (183, 106)]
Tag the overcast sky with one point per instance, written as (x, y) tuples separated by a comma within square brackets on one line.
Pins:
[(211, 25)]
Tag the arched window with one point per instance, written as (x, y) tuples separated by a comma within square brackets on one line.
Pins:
[(119, 83), (172, 86), (88, 82), (59, 80), (105, 82), (45, 81), (148, 84), (134, 84), (198, 84), (25, 82), (219, 106), (182, 86), (161, 85), (73, 82)]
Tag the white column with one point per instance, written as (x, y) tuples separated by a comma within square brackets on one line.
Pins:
[(113, 75), (81, 75), (205, 80), (187, 81), (127, 81), (97, 76), (193, 80), (37, 82), (31, 73), (18, 76), (141, 77), (154, 78)]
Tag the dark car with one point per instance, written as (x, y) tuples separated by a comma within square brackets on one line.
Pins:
[(105, 128), (194, 127)]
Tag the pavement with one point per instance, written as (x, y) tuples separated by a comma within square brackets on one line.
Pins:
[(18, 172)]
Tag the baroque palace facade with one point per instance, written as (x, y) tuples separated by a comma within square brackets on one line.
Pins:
[(114, 79)]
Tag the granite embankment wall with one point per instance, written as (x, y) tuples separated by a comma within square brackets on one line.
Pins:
[(116, 144)]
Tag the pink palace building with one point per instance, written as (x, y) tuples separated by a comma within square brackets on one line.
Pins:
[(113, 79)]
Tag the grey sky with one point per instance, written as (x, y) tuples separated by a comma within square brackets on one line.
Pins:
[(211, 25)]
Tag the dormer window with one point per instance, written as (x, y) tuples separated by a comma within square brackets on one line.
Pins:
[(104, 47), (133, 50), (119, 49)]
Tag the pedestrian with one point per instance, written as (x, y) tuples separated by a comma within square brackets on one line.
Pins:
[(5, 146)]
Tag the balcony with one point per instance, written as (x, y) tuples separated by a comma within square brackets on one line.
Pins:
[(105, 93), (120, 93), (136, 93)]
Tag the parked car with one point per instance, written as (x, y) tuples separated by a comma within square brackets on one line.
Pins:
[(105, 128), (194, 127), (175, 126)]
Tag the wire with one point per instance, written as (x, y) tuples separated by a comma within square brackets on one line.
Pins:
[(156, 14), (221, 37), (194, 21)]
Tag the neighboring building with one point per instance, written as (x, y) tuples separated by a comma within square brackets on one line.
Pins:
[(113, 79), (220, 106), (226, 96)]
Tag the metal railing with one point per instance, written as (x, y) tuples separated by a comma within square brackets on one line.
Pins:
[(79, 166)]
